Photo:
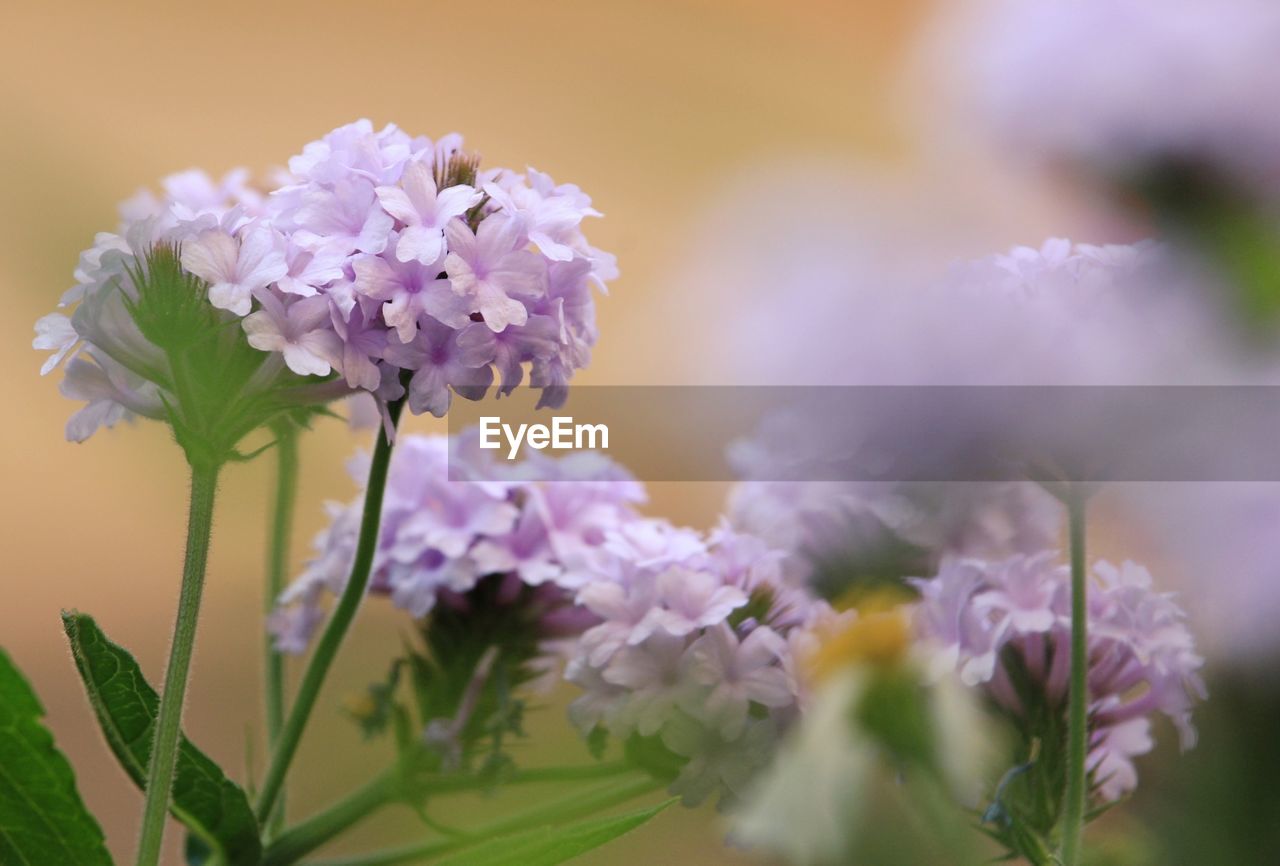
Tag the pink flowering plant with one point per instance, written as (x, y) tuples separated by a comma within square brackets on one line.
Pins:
[(820, 637), (378, 264)]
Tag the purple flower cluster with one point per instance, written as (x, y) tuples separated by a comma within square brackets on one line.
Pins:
[(439, 537), (110, 364), (696, 646), (1142, 658), (684, 637), (427, 264), (1063, 313), (377, 257)]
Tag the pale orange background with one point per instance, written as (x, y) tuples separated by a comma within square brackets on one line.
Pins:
[(650, 106)]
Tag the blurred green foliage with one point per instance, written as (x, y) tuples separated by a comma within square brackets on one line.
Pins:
[(1219, 804)]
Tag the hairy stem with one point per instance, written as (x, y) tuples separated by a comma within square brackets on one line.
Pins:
[(336, 630), (168, 728), (575, 807), (1077, 710), (286, 490)]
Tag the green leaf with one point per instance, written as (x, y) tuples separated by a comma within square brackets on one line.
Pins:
[(42, 818), (204, 799), (549, 846), (196, 851)]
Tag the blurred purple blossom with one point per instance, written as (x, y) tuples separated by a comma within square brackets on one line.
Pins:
[(695, 646), (1142, 658), (1125, 88)]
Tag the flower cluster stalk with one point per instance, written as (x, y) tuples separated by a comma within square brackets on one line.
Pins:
[(339, 623), (164, 744), (286, 490), (1077, 710)]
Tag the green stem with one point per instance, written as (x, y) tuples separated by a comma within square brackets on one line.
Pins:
[(389, 787), (277, 570), (1077, 711), (301, 840), (575, 807), (339, 623), (164, 744)]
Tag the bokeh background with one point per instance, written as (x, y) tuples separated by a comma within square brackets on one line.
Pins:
[(702, 129)]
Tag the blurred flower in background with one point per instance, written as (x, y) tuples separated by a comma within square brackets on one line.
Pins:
[(845, 535), (1058, 313), (1054, 314), (1164, 106), (1168, 106), (1143, 658), (875, 717), (692, 664), (1126, 89)]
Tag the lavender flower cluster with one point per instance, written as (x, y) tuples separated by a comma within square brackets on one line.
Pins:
[(697, 645), (687, 639), (439, 537), (1142, 658), (377, 257)]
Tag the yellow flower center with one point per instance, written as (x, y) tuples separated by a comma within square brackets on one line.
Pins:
[(878, 635)]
